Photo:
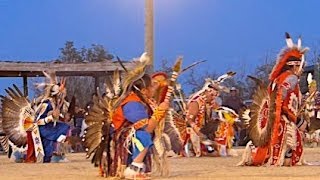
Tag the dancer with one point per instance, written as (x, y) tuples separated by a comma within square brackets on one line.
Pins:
[(274, 115), (121, 136), (199, 108), (35, 124)]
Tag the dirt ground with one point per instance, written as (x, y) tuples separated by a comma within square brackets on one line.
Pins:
[(181, 168)]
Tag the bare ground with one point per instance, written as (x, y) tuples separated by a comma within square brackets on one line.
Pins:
[(181, 168)]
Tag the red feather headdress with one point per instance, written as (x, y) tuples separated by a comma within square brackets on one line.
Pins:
[(291, 51)]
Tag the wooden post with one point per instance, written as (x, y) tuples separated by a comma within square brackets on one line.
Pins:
[(96, 83), (25, 86), (148, 39)]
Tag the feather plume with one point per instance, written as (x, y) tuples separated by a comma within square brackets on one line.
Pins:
[(51, 76), (4, 142), (302, 63), (109, 88), (309, 78), (97, 135), (177, 65), (299, 44), (17, 90), (171, 128), (145, 58), (261, 124), (192, 65), (121, 64), (289, 40), (223, 77), (132, 76), (17, 115), (116, 82)]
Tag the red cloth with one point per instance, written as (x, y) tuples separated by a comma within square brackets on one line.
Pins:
[(31, 156)]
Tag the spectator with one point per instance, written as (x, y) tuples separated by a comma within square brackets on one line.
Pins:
[(233, 101), (78, 118)]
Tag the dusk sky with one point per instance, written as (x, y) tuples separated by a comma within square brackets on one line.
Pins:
[(227, 33)]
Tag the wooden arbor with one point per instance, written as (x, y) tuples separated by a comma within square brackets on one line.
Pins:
[(34, 69)]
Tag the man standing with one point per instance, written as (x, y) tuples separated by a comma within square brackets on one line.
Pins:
[(233, 101), (274, 123)]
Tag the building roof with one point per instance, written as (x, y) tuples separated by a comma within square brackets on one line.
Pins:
[(34, 69)]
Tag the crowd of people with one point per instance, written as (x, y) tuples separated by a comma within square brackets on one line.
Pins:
[(131, 125)]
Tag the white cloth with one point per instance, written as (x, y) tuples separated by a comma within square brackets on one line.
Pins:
[(83, 127)]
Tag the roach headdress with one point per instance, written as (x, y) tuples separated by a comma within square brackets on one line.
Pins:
[(291, 55)]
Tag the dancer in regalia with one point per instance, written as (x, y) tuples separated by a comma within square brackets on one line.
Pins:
[(36, 124), (274, 115), (121, 124)]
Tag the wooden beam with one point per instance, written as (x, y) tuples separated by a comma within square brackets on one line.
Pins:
[(63, 67), (28, 69), (25, 86)]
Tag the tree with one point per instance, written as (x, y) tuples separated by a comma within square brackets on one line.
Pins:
[(195, 79), (69, 53), (314, 55), (83, 87)]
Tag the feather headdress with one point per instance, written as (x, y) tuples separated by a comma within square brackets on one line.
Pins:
[(293, 54), (51, 87), (133, 76), (113, 87), (311, 81), (215, 84), (17, 116), (227, 115)]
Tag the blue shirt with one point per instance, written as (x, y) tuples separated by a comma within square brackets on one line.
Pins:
[(135, 111)]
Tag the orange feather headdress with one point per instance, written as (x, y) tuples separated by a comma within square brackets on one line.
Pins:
[(293, 54)]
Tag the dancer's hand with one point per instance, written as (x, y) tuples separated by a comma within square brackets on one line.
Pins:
[(56, 113), (160, 111), (164, 105)]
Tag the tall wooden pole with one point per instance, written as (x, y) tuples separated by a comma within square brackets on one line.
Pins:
[(149, 44)]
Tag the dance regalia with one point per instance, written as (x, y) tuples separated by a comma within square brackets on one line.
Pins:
[(116, 131), (312, 105), (286, 120), (32, 124), (273, 118), (312, 113), (129, 121), (201, 101), (50, 131), (225, 133), (198, 121), (224, 137)]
